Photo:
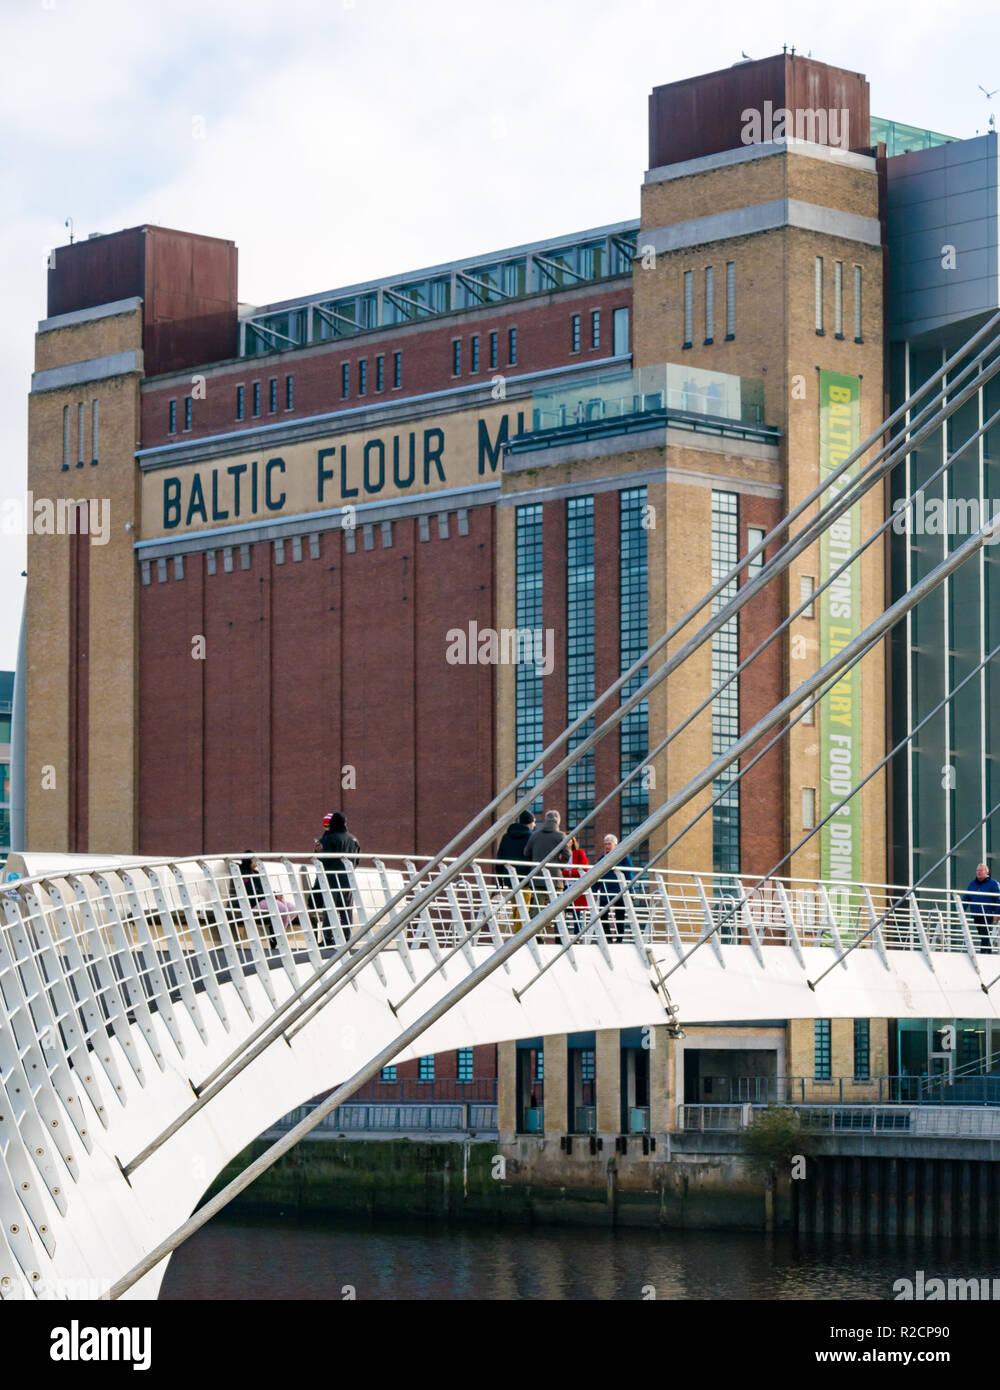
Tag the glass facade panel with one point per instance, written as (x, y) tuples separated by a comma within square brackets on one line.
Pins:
[(862, 1049), (620, 328), (528, 675), (725, 707), (580, 656), (821, 1049), (634, 591)]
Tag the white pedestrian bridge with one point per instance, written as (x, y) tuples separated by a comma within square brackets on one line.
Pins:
[(131, 991)]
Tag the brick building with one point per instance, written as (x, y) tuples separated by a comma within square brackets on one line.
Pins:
[(308, 500)]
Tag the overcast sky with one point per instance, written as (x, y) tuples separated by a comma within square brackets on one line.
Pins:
[(347, 139)]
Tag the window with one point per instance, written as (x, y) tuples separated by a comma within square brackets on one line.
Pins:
[(809, 713), (474, 353), (397, 370), (379, 373), (575, 333), (5, 728), (688, 308), (388, 1074), (493, 349), (540, 1064), (256, 399), (862, 1049), (465, 1064), (808, 808), (821, 1049), (79, 433), (427, 1069), (807, 587), (595, 329), (93, 429), (730, 300), (172, 418), (289, 392), (65, 436), (345, 381), (755, 534), (588, 1065), (838, 301), (857, 305), (709, 304), (512, 347), (620, 331), (580, 667), (633, 624), (726, 704), (241, 393), (819, 294), (363, 377), (528, 615), (456, 357), (272, 395), (187, 412)]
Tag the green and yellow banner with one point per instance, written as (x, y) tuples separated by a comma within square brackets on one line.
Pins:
[(839, 622)]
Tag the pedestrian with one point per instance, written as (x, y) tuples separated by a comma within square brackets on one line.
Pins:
[(578, 861), (544, 840), (982, 899), (254, 886), (609, 890), (337, 842), (513, 845)]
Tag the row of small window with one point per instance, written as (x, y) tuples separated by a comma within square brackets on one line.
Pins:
[(822, 1049), (362, 375), (710, 304), (81, 416), (838, 300), (474, 354), (464, 1068)]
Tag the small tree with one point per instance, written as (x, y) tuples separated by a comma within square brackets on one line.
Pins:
[(773, 1139), (773, 1142)]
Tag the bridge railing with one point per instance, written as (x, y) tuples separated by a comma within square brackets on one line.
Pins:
[(929, 1122), (171, 911)]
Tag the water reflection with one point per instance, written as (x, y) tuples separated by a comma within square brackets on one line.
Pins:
[(278, 1259)]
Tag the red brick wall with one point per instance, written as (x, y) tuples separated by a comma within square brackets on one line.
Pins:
[(313, 666), (763, 812), (543, 341)]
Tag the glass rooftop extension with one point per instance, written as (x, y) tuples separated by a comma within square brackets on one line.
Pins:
[(665, 386), (623, 399), (557, 263), (902, 139)]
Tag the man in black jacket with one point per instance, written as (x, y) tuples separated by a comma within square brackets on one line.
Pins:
[(337, 841), (513, 846)]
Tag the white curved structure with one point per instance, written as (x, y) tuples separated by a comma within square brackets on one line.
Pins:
[(123, 985)]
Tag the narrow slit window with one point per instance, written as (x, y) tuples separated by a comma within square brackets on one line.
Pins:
[(272, 395), (345, 381), (595, 329), (857, 304), (456, 357), (575, 333), (819, 294), (65, 462), (709, 304), (493, 349), (289, 392), (80, 429), (688, 307), (240, 400), (379, 373), (93, 431), (397, 370), (838, 298), (808, 808), (172, 417), (731, 299), (807, 587)]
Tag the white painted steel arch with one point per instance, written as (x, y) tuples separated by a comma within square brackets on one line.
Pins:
[(125, 985)]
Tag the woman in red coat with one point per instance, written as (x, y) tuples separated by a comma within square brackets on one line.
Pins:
[(578, 861)]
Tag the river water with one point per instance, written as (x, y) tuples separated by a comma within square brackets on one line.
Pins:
[(278, 1258)]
